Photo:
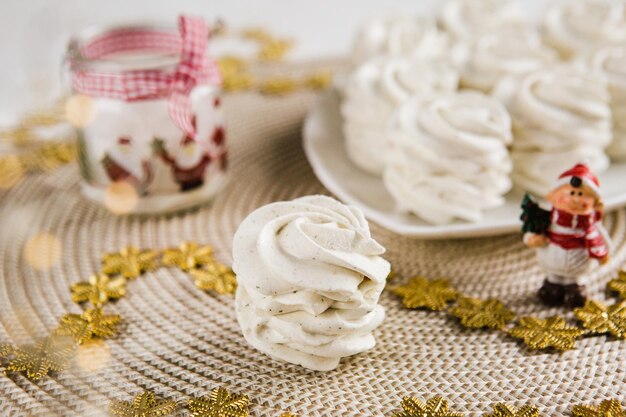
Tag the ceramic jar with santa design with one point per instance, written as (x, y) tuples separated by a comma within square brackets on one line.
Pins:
[(148, 113)]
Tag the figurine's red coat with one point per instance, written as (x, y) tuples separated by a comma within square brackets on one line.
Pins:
[(571, 231)]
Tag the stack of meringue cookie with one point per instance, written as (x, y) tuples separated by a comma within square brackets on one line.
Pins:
[(452, 111), (309, 278)]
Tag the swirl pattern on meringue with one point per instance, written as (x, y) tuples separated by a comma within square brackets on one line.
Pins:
[(561, 117), (309, 279), (511, 51), (399, 36), (449, 158), (466, 20), (372, 94), (610, 63), (579, 26)]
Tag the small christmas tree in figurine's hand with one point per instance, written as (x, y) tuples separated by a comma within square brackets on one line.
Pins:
[(568, 237), (535, 219)]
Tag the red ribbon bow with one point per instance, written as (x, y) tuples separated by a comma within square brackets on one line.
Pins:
[(194, 67)]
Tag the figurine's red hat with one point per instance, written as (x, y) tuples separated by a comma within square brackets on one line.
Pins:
[(583, 172)]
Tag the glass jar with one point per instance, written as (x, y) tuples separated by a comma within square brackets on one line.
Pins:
[(146, 107)]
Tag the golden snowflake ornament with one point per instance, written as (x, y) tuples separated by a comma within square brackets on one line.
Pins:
[(99, 290), (143, 405), (188, 256), (420, 292), (618, 285), (219, 403), (51, 353), (476, 314), (607, 408), (599, 319), (552, 332), (505, 410), (434, 407), (215, 277), (92, 323), (130, 262)]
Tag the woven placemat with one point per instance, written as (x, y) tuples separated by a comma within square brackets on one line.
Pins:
[(179, 341)]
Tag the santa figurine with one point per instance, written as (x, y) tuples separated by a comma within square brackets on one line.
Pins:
[(123, 163), (569, 238)]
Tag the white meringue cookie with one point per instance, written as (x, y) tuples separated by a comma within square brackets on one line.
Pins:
[(610, 63), (310, 276), (466, 20), (400, 35), (374, 91), (561, 116), (511, 51), (535, 170), (580, 26), (449, 158)]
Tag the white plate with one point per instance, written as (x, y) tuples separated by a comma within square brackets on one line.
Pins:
[(324, 147)]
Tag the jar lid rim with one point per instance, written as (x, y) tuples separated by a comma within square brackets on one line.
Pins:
[(75, 57)]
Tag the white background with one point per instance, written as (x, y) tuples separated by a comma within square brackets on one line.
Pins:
[(33, 33)]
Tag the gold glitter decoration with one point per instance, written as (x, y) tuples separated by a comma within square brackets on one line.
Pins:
[(92, 323), (5, 350), (434, 407), (143, 405), (11, 171), (231, 64), (476, 314), (32, 154), (235, 75), (599, 319), (274, 49), (420, 292), (99, 290), (188, 256), (219, 403), (238, 81), (619, 285), (607, 408), (47, 354), (552, 332), (49, 156), (505, 410), (318, 81), (130, 262), (47, 117), (288, 415), (280, 85), (215, 277)]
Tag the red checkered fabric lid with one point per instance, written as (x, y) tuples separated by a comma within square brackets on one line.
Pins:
[(194, 68)]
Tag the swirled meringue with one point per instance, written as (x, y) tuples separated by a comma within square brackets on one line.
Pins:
[(466, 20), (399, 36), (309, 278), (561, 117), (510, 51), (449, 158), (580, 26), (374, 91), (610, 63)]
